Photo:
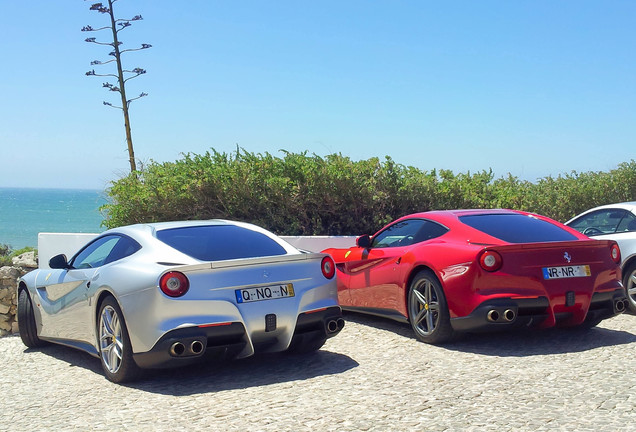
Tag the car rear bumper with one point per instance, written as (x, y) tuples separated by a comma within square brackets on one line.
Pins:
[(188, 345), (510, 313)]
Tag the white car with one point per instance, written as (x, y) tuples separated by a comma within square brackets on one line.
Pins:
[(614, 222)]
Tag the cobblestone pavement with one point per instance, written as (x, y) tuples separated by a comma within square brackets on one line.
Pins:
[(373, 376)]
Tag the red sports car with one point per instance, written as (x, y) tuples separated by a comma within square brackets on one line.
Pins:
[(472, 270)]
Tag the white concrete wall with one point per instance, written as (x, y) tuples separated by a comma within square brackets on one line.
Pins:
[(51, 244)]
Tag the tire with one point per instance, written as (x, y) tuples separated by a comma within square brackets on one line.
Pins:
[(629, 282), (428, 310), (115, 350), (26, 321)]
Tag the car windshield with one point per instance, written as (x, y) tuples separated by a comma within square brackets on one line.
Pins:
[(517, 228), (220, 242)]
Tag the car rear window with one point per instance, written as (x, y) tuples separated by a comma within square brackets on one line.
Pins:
[(517, 228), (220, 242)]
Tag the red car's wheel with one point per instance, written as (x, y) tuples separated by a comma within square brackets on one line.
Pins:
[(428, 311)]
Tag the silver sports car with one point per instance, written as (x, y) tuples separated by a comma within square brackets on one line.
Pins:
[(173, 293)]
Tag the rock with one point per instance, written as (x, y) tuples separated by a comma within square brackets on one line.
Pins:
[(4, 309), (26, 260), (9, 275), (4, 323), (14, 327)]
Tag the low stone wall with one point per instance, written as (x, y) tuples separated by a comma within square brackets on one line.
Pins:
[(9, 276)]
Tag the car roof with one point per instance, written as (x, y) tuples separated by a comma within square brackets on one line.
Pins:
[(453, 215), (152, 227), (145, 233), (628, 205)]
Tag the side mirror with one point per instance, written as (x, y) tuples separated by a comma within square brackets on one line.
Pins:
[(59, 262), (363, 241)]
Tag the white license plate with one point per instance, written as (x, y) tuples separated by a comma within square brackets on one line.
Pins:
[(566, 272), (264, 293)]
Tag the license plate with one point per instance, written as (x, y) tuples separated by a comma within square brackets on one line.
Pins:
[(264, 293), (566, 272)]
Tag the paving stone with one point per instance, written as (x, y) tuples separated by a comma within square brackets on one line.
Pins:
[(374, 376)]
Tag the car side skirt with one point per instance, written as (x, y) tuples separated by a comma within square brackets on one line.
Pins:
[(385, 313), (79, 345)]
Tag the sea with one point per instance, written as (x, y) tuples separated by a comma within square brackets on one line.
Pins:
[(25, 212)]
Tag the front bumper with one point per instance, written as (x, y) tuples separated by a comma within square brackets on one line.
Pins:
[(536, 312), (188, 345)]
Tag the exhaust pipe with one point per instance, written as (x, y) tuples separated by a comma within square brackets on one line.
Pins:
[(196, 347), (509, 315), (177, 349), (493, 315), (619, 306), (341, 323), (332, 326)]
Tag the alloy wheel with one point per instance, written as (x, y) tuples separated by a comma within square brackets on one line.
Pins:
[(424, 307), (630, 286), (110, 339)]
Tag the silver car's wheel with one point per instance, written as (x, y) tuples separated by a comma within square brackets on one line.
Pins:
[(629, 282), (114, 344), (428, 311), (26, 321), (110, 340)]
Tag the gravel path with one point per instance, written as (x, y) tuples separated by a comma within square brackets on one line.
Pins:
[(373, 376)]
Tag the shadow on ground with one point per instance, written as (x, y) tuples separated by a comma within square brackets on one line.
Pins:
[(255, 371), (514, 343)]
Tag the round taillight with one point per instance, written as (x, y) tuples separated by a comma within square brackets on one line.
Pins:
[(328, 267), (490, 261), (174, 284), (616, 253)]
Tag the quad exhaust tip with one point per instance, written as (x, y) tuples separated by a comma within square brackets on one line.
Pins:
[(335, 325), (493, 315), (620, 306), (196, 347), (179, 349), (508, 315), (332, 326)]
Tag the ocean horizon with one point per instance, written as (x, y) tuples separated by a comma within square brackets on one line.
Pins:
[(25, 212)]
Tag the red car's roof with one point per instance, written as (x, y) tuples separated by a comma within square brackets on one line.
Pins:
[(452, 215)]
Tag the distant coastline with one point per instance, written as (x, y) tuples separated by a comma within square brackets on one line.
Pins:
[(25, 212)]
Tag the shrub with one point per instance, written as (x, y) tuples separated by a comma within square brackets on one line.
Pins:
[(7, 254), (302, 194)]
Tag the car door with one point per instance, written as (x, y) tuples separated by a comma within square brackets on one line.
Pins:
[(377, 273), (66, 297)]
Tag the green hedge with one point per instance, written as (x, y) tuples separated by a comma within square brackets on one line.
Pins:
[(303, 194)]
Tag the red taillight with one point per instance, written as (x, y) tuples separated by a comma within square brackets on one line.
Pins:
[(490, 261), (328, 267), (174, 284), (616, 253)]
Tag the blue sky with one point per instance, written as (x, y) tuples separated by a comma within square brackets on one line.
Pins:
[(531, 88)]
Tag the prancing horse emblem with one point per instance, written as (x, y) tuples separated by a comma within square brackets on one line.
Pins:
[(567, 257)]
